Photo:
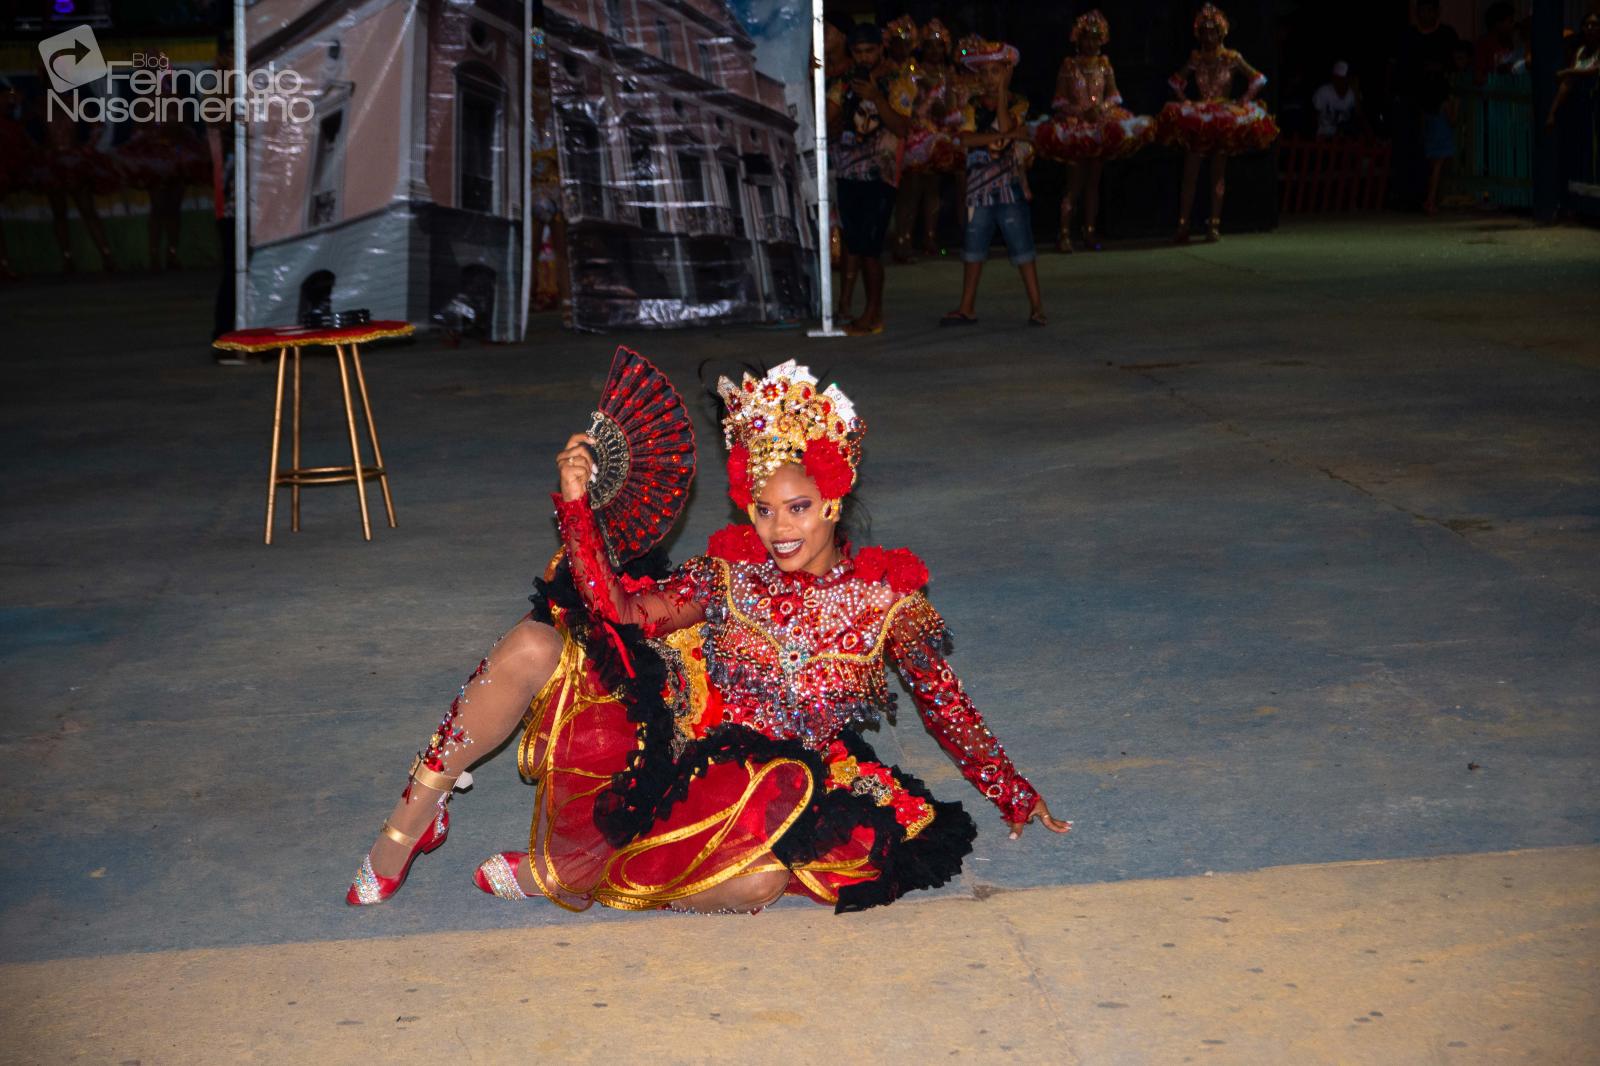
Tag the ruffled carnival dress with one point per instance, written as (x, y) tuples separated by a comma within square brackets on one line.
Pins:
[(1115, 132), (1216, 122), (704, 724), (933, 146)]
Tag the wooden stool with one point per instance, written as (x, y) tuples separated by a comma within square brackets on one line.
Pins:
[(291, 339)]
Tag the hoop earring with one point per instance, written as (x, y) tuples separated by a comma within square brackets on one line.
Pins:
[(830, 510)]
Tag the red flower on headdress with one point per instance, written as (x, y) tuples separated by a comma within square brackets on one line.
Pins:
[(737, 544), (906, 571), (826, 464), (739, 476)]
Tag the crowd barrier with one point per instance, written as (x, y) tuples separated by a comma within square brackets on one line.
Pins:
[(1323, 175), (1494, 141)]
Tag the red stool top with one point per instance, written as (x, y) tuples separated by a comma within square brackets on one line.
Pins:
[(267, 338)]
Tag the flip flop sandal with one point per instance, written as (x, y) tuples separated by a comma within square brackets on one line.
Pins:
[(1038, 319), (956, 318)]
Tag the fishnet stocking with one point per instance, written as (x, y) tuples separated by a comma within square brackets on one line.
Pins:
[(489, 709)]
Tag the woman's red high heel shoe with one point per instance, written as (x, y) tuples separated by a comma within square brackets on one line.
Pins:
[(371, 887), (497, 875)]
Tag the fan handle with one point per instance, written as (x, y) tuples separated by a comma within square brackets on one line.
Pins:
[(612, 459)]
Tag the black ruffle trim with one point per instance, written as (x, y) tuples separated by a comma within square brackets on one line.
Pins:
[(653, 781)]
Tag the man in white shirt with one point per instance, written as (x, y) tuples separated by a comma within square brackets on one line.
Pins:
[(1335, 103)]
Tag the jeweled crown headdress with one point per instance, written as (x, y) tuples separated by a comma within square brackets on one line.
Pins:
[(1091, 21), (975, 52), (785, 418), (1213, 14), (905, 27)]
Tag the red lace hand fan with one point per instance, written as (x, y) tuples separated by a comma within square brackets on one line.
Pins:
[(644, 457)]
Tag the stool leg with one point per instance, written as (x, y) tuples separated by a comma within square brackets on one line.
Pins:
[(355, 445), (294, 450), (277, 432), (372, 433)]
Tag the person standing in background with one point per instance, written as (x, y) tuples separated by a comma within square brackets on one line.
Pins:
[(931, 154), (1424, 57), (1215, 125), (1337, 104), (1088, 126), (997, 190), (867, 131), (1498, 50)]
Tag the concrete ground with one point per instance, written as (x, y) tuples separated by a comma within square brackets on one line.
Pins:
[(1272, 562)]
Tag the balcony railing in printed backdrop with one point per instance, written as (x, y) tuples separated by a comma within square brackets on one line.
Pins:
[(780, 228), (708, 220), (592, 202)]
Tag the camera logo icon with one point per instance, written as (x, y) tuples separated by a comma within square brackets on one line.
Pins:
[(73, 58)]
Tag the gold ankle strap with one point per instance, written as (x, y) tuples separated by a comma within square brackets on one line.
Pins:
[(431, 778), (405, 840)]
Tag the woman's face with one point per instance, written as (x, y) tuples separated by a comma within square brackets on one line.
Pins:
[(1090, 41), (788, 518), (1210, 34)]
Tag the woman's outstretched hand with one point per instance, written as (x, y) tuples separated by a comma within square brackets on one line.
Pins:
[(575, 464), (1042, 813)]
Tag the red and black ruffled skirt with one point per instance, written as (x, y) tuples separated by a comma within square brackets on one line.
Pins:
[(1116, 134), (644, 798), (1207, 126)]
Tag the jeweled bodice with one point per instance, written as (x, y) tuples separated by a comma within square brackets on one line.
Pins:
[(1084, 81), (794, 656), (1213, 73), (798, 656)]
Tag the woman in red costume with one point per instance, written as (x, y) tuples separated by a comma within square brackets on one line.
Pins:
[(932, 151), (164, 157), (1216, 125), (1090, 125), (695, 737)]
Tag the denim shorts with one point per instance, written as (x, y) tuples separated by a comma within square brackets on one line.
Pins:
[(1015, 223)]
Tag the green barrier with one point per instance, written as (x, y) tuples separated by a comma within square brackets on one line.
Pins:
[(1494, 142)]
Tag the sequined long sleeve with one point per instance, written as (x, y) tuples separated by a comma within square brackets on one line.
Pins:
[(657, 608), (915, 647)]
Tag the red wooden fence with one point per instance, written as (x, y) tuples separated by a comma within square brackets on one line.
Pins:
[(1332, 174)]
